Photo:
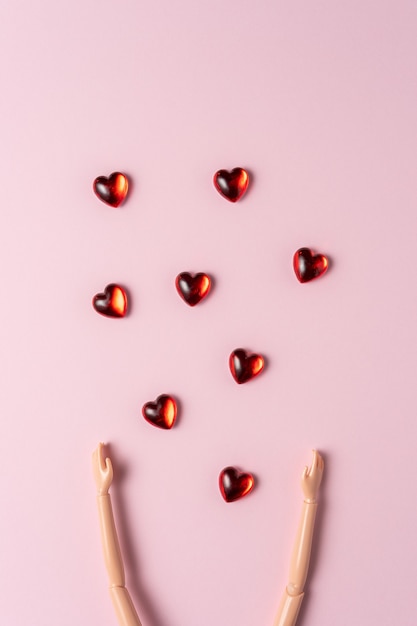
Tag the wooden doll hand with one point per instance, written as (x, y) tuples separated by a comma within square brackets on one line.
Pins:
[(103, 470), (311, 478)]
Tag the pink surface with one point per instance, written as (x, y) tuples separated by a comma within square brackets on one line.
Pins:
[(318, 101)]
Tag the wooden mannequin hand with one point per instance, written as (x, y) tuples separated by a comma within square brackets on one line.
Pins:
[(311, 478), (103, 470)]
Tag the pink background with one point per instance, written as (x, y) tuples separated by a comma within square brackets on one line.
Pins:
[(318, 101)]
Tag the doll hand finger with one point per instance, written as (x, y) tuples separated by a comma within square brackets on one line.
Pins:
[(101, 460), (314, 463), (108, 471), (318, 462)]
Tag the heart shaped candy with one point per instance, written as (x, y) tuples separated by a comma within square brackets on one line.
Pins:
[(308, 265), (244, 367), (111, 190), (192, 289), (231, 185), (161, 413), (112, 302), (234, 484)]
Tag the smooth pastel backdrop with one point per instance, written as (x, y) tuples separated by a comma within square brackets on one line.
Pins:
[(318, 101)]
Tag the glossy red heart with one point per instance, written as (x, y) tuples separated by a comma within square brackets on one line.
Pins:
[(112, 302), (308, 265), (234, 484), (245, 366), (161, 413), (111, 190), (231, 185), (192, 288)]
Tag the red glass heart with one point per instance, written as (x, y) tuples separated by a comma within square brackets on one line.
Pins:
[(244, 367), (162, 412), (234, 484), (111, 190), (192, 289), (231, 185), (308, 266), (112, 303)]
